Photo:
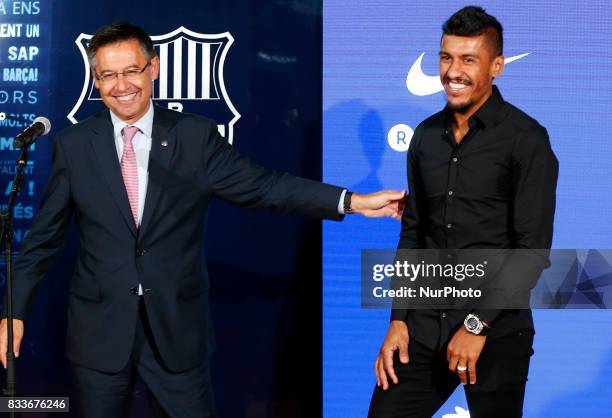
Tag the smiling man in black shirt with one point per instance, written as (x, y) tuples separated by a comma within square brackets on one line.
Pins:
[(482, 175)]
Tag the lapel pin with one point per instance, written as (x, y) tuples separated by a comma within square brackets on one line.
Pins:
[(164, 143)]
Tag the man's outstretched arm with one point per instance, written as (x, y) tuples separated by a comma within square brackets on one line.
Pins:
[(238, 179)]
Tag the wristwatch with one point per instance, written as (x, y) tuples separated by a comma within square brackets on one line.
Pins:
[(347, 202), (475, 325)]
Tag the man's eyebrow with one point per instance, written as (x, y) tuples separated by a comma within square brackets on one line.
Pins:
[(462, 56), (131, 67)]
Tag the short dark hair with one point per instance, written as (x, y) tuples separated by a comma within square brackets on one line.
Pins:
[(474, 21), (118, 32)]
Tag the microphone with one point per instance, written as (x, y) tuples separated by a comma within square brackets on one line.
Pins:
[(41, 126)]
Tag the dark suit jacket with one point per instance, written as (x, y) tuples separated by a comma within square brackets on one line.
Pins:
[(189, 163)]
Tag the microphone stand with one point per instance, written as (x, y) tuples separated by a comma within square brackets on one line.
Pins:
[(6, 238)]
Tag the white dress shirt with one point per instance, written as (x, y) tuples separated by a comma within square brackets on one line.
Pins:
[(142, 147)]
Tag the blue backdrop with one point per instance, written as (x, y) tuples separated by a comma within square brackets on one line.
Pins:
[(564, 82)]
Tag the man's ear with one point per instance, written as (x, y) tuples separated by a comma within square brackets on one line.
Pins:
[(154, 68), (96, 81), (497, 66)]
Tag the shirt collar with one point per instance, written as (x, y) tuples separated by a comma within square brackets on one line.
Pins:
[(145, 123), (488, 113)]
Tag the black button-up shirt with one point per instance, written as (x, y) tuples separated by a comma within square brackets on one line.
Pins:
[(495, 189)]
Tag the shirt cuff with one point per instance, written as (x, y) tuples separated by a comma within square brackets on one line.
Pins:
[(341, 202), (399, 315)]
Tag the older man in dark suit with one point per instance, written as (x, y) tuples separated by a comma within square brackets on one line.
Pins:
[(138, 180)]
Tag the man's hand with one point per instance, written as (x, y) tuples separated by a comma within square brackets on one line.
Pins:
[(396, 338), (18, 329), (386, 203), (463, 351)]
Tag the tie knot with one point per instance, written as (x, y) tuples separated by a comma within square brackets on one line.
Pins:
[(128, 133)]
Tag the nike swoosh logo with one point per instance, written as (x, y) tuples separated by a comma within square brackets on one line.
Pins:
[(421, 84)]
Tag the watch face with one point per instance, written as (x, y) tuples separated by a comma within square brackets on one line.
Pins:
[(472, 324)]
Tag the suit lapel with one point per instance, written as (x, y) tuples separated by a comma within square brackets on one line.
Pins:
[(103, 143), (162, 148)]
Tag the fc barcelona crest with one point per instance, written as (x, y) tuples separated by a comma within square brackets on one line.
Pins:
[(190, 78)]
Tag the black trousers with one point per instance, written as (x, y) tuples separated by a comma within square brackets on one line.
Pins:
[(425, 383), (178, 395)]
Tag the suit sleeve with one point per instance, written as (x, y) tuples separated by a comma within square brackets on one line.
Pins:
[(45, 236), (410, 235), (535, 170), (238, 179)]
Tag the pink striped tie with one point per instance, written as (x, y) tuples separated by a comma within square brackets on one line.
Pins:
[(129, 169)]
